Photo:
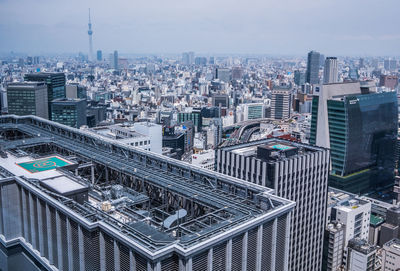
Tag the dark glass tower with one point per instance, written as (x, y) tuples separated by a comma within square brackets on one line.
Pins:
[(194, 116), (363, 134), (55, 85), (71, 112), (312, 74), (99, 55)]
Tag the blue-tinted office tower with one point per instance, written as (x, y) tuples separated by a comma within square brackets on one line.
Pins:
[(360, 128), (299, 78), (115, 60), (71, 112), (99, 55)]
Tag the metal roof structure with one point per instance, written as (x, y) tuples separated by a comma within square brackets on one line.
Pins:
[(218, 206)]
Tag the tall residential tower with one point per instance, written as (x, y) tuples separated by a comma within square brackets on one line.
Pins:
[(330, 70)]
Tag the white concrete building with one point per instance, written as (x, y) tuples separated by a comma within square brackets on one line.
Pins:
[(153, 131), (353, 212), (281, 103), (147, 136), (204, 159)]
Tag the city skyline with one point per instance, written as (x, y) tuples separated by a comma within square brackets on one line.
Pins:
[(256, 27), (176, 135)]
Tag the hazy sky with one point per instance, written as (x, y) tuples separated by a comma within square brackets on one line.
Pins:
[(333, 27)]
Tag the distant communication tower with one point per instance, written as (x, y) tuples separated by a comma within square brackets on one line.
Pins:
[(90, 33)]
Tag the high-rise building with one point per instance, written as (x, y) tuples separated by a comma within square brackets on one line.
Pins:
[(97, 112), (70, 112), (99, 55), (299, 77), (188, 58), (360, 128), (115, 60), (223, 74), (3, 99), (333, 247), (74, 90), (330, 70), (220, 100), (27, 98), (36, 60), (321, 60), (295, 171), (253, 111), (90, 33), (201, 61), (361, 63), (281, 103), (214, 132), (194, 116), (55, 85), (117, 207), (312, 73), (237, 73), (390, 64)]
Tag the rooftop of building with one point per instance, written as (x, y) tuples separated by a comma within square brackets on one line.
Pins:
[(68, 100), (390, 226), (41, 74), (25, 84), (117, 131), (232, 205), (361, 246), (335, 227), (394, 244), (272, 149), (344, 200), (376, 220)]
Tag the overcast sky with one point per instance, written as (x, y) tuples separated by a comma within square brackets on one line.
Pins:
[(284, 27)]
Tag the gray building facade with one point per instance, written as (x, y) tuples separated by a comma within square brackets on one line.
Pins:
[(295, 171), (27, 98), (312, 73), (55, 85)]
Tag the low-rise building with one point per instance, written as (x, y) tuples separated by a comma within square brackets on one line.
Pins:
[(391, 255), (360, 256)]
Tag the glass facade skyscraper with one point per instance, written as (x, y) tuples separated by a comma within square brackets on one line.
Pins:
[(362, 137), (312, 73)]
